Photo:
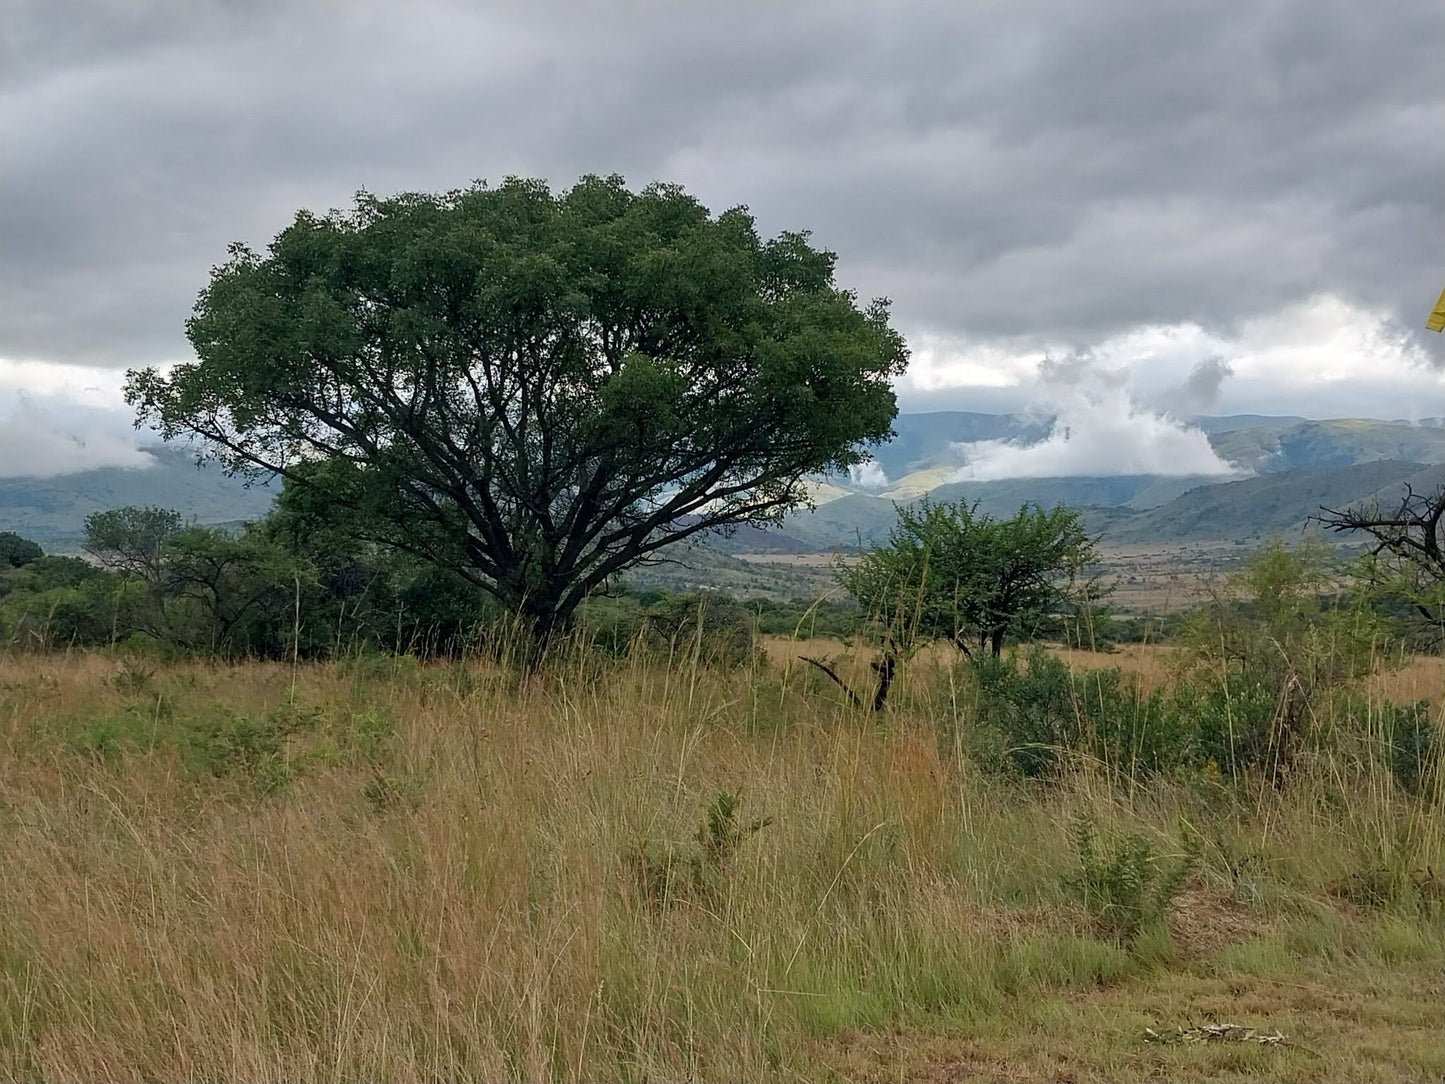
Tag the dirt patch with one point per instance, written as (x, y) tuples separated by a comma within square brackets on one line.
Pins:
[(1203, 921), (924, 1060)]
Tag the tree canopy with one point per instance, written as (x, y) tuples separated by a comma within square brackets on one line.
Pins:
[(534, 390), (949, 572), (199, 587), (131, 539), (16, 551)]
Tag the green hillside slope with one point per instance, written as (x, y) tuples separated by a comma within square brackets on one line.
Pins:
[(1329, 444), (1254, 508)]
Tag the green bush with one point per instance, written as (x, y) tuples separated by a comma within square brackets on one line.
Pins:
[(255, 749), (266, 751), (714, 629), (805, 619), (613, 623), (1228, 722), (16, 551), (1271, 652), (669, 872), (1033, 708), (57, 618), (1412, 746)]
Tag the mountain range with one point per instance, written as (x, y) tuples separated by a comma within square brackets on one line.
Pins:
[(1286, 468)]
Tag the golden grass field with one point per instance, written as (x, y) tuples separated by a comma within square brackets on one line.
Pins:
[(384, 870), (1152, 665)]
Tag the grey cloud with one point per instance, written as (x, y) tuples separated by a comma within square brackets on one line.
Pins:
[(1199, 392), (1024, 172), (1079, 368)]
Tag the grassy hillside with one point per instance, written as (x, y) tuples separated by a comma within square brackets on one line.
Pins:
[(1223, 423), (1388, 496), (1145, 509), (1253, 449), (1003, 497), (1326, 445), (842, 522), (1254, 508)]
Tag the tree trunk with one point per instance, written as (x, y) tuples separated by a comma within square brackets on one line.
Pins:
[(884, 667), (543, 623)]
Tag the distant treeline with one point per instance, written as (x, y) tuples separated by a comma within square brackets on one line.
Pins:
[(278, 589), (151, 582)]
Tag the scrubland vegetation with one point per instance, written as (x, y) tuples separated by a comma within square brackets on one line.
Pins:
[(400, 782), (694, 859)]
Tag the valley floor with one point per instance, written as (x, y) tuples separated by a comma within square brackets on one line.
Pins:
[(1148, 580), (387, 870)]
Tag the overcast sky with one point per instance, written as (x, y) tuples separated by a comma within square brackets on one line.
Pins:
[(1215, 207)]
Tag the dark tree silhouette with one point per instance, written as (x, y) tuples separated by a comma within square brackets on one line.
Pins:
[(1411, 532)]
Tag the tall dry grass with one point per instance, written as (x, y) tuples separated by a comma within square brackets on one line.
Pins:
[(446, 871)]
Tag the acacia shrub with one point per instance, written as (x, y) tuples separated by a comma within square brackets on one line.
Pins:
[(16, 551), (1281, 646), (711, 628), (57, 602)]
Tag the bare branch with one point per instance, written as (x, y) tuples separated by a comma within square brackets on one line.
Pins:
[(821, 665)]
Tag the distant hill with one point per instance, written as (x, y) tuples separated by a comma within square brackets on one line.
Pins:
[(1297, 465), (1278, 504), (52, 511), (855, 517), (1388, 496), (748, 539), (1144, 508), (1327, 445), (1224, 423)]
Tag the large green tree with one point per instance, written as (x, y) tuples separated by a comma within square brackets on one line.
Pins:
[(131, 539), (536, 390)]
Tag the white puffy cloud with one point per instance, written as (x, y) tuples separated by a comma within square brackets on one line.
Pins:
[(868, 475), (1122, 404), (1098, 429)]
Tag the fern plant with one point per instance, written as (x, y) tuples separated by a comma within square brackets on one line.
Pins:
[(1126, 886)]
